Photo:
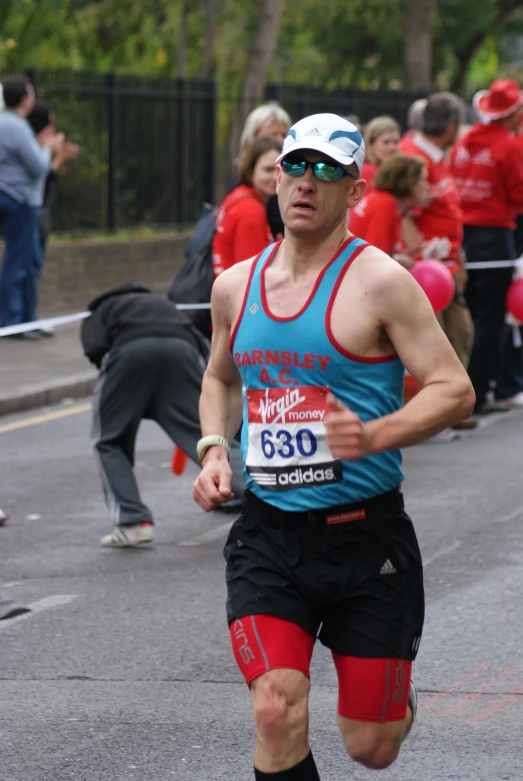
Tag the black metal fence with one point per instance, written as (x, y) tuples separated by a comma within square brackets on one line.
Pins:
[(148, 144), (147, 148), (366, 104)]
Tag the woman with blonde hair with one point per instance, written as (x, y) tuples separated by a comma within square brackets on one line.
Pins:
[(382, 137), (269, 119)]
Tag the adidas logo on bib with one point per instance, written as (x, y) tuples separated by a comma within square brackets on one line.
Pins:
[(388, 568)]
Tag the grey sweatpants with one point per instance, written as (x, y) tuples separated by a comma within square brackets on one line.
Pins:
[(155, 378)]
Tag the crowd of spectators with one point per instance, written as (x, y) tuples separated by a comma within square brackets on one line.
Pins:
[(445, 191)]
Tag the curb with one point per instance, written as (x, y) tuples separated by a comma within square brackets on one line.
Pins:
[(73, 387)]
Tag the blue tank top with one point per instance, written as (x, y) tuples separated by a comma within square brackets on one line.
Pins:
[(287, 366)]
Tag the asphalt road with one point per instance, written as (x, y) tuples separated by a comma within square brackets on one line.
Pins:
[(123, 672)]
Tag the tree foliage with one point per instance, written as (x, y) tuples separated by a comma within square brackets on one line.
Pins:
[(330, 44)]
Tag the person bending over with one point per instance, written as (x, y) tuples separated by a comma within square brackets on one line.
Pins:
[(151, 362)]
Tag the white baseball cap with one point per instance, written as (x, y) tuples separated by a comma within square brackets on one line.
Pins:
[(327, 133)]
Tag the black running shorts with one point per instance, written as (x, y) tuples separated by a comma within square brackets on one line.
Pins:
[(353, 574)]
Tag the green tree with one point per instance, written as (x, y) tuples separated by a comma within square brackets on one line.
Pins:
[(334, 44), (464, 28)]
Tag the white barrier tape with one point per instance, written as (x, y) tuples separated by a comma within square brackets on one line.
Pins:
[(193, 306), (50, 322), (516, 336), (492, 264)]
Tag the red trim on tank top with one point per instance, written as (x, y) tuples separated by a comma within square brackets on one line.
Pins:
[(328, 313), (246, 294), (312, 293)]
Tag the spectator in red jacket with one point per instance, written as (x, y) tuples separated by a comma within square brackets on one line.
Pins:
[(269, 119), (439, 225), (400, 184), (242, 227), (382, 137), (442, 218), (487, 165)]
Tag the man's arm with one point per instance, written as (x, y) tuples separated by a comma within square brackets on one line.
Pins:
[(447, 395), (221, 398), (404, 313), (35, 159), (512, 172), (94, 336), (412, 237)]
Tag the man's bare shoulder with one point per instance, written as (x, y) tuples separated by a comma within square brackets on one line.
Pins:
[(390, 291), (233, 277), (378, 272), (229, 289)]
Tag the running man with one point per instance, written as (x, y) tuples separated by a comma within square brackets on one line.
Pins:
[(310, 340)]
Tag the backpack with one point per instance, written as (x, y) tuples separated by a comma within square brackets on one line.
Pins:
[(194, 281)]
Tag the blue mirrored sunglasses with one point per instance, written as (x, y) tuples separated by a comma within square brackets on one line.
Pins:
[(323, 171)]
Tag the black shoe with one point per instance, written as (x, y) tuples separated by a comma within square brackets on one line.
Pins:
[(466, 423), (26, 336), (9, 609), (492, 406)]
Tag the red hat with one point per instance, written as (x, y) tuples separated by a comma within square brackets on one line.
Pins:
[(501, 100)]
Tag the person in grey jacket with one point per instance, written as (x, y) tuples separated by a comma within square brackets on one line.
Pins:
[(151, 360), (23, 165)]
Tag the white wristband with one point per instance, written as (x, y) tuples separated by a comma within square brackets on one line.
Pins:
[(206, 442)]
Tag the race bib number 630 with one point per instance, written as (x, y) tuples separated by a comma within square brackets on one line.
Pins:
[(287, 445)]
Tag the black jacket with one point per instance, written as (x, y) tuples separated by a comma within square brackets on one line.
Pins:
[(131, 312)]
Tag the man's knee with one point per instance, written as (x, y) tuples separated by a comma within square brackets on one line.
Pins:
[(280, 704), (375, 746), (375, 756)]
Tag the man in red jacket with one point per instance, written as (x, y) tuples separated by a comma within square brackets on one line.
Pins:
[(487, 165), (438, 226)]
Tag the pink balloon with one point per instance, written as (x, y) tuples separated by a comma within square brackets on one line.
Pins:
[(436, 281), (514, 300)]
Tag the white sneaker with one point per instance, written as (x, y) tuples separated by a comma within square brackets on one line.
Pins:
[(413, 704), (127, 536), (515, 401), (47, 332)]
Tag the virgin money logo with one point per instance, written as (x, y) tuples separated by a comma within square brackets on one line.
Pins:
[(287, 405), (273, 410)]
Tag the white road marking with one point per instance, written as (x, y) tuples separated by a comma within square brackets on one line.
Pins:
[(214, 534), (55, 600), (510, 517), (35, 420), (442, 552)]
